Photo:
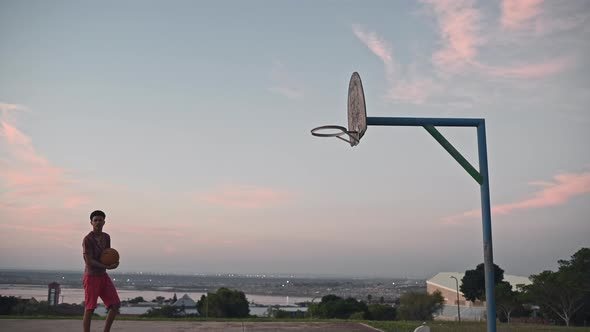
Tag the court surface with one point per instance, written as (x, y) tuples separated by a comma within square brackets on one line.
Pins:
[(70, 325)]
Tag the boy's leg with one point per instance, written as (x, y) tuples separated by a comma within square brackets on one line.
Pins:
[(113, 311), (111, 300), (87, 319), (90, 298)]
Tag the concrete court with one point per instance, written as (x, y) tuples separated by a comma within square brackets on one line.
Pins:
[(71, 325)]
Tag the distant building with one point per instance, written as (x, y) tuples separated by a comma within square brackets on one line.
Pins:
[(448, 287), (188, 305), (443, 283), (53, 291)]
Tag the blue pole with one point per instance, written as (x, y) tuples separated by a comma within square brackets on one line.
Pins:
[(438, 122), (488, 255), (484, 187)]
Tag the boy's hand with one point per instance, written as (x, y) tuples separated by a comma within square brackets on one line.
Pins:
[(112, 266)]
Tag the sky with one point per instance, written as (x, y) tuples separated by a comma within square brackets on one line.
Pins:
[(188, 123)]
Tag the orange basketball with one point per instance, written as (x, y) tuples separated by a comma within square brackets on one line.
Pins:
[(109, 256)]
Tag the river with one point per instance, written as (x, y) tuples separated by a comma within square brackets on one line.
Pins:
[(76, 296)]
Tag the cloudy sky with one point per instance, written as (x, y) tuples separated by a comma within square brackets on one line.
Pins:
[(188, 123)]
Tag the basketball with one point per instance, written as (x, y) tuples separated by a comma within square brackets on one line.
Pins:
[(109, 256)]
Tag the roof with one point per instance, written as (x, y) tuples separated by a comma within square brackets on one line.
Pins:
[(185, 301), (444, 280)]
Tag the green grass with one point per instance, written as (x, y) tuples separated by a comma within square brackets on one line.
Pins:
[(439, 326)]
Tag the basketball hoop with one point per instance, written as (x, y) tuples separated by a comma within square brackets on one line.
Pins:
[(357, 116), (335, 131)]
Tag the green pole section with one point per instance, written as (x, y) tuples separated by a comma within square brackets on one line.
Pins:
[(454, 153)]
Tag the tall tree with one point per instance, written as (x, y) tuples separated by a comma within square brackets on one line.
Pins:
[(381, 312), (136, 300), (225, 303), (333, 306), (507, 300), (579, 268), (565, 291), (420, 306), (473, 284)]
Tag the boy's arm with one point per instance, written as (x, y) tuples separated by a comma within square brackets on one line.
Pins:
[(93, 262)]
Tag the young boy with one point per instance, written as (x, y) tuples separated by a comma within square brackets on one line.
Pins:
[(96, 280)]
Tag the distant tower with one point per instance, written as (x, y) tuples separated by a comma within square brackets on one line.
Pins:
[(53, 293)]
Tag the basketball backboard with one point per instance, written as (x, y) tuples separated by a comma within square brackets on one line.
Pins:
[(357, 111)]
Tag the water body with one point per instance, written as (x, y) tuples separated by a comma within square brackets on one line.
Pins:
[(260, 311), (76, 295)]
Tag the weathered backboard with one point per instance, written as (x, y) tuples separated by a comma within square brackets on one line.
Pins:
[(357, 111)]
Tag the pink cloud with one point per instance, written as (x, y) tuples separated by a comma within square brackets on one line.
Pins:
[(13, 135), (381, 48), (459, 29), (174, 231), (564, 187), (244, 197), (26, 172), (536, 70), (28, 210), (462, 28), (516, 13), (403, 88), (6, 108), (416, 91), (31, 184), (20, 144), (57, 229), (58, 234), (73, 202)]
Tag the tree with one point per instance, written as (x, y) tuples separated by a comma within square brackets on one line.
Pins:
[(333, 306), (579, 268), (225, 303), (381, 312), (137, 300), (369, 298), (420, 306), (473, 284), (10, 305), (174, 298), (359, 315), (566, 291), (381, 300), (278, 313), (6, 304), (507, 300), (159, 299)]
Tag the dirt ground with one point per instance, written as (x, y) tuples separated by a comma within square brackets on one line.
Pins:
[(56, 325)]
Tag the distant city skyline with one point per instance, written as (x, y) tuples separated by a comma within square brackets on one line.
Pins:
[(189, 124)]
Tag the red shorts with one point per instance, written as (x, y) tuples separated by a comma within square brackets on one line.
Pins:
[(95, 286)]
